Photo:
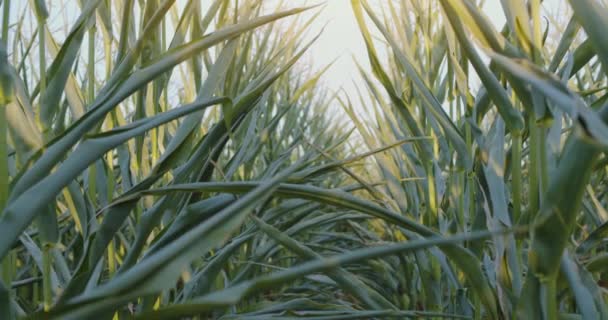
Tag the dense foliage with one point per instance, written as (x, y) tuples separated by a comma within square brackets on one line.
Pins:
[(173, 160)]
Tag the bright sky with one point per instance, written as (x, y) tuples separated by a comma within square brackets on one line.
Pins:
[(341, 38)]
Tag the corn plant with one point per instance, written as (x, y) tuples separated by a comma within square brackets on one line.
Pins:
[(179, 167), (521, 148), (120, 200), (175, 159)]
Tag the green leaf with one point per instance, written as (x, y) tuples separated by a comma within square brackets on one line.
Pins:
[(161, 268), (232, 295), (20, 212)]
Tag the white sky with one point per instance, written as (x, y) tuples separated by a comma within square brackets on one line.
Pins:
[(342, 39)]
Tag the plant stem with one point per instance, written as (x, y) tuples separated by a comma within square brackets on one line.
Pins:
[(544, 167), (533, 170), (6, 5), (516, 184), (47, 293), (90, 97), (42, 61), (548, 293), (4, 175), (432, 196), (46, 277), (4, 187)]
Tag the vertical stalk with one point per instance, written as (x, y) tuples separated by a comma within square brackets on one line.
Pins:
[(478, 307), (4, 182), (467, 180), (35, 287), (433, 212), (544, 168), (111, 258), (47, 293), (6, 5), (516, 184), (42, 61), (90, 97), (536, 29), (46, 275), (432, 218), (461, 176), (91, 65), (107, 41), (165, 98), (533, 169), (432, 194), (541, 132), (548, 294), (91, 93)]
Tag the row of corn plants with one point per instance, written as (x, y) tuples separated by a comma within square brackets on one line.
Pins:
[(178, 166), (144, 164), (517, 126), (169, 159)]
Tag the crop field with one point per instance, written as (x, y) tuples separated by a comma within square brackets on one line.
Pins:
[(184, 159)]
